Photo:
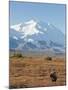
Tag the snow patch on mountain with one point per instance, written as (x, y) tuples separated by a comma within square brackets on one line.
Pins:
[(28, 28), (30, 22), (14, 37), (30, 40), (16, 27)]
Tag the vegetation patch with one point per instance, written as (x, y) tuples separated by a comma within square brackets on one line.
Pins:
[(48, 58)]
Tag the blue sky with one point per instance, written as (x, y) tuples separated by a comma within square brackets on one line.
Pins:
[(50, 13)]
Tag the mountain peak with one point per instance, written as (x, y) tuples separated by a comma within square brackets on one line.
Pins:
[(32, 21), (36, 34), (27, 28)]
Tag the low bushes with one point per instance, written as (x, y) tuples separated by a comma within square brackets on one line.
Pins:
[(48, 58), (19, 55)]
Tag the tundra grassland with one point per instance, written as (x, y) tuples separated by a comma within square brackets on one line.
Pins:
[(29, 71)]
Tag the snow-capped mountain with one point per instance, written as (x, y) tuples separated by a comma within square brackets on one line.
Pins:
[(36, 35)]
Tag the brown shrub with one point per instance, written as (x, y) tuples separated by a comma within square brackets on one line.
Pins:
[(49, 58)]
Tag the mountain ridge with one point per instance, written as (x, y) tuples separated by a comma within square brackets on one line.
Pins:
[(36, 35)]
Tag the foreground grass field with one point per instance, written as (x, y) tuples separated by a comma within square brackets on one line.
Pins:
[(35, 71)]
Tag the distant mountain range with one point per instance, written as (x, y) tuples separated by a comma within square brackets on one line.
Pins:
[(36, 35)]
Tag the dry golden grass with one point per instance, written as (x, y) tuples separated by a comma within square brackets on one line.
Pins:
[(35, 71)]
